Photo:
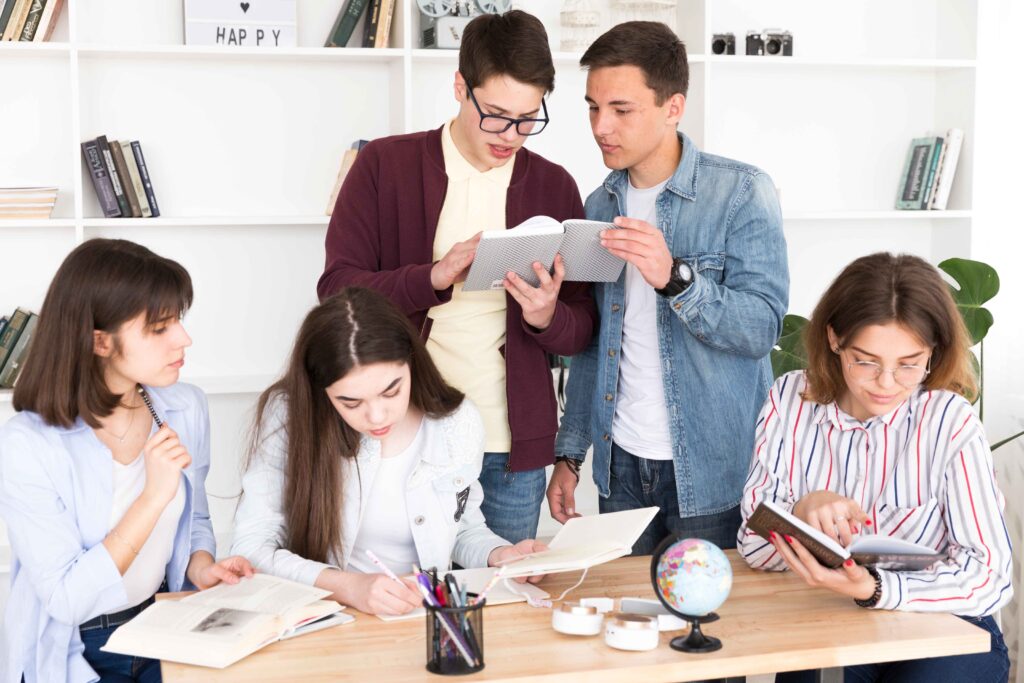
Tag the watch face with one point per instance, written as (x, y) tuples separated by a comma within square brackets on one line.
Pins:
[(685, 272)]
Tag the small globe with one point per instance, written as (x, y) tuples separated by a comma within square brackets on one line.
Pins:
[(691, 576)]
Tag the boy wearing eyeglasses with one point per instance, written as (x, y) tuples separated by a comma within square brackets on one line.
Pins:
[(407, 223)]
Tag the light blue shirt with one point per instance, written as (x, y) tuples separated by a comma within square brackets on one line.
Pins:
[(56, 492), (723, 218)]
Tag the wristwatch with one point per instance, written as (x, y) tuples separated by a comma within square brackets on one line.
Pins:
[(680, 279)]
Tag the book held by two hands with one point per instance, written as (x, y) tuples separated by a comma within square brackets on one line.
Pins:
[(883, 552), (221, 625), (538, 239)]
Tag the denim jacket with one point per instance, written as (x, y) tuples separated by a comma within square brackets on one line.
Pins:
[(723, 217), (55, 497)]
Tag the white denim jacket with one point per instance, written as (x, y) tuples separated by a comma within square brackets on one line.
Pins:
[(432, 499)]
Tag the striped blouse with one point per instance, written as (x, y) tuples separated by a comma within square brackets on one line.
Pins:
[(923, 472)]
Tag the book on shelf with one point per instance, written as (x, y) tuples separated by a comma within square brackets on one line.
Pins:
[(48, 21), (27, 202), (16, 20), (387, 12), (9, 339), (147, 183), (35, 13), (539, 239), (346, 22), (221, 625), (347, 159), (19, 353), (871, 550), (100, 179), (136, 180), (3, 325), (115, 179), (921, 159), (6, 10), (126, 181), (371, 23), (953, 141)]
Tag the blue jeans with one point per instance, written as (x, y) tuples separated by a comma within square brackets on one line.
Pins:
[(511, 499), (638, 483), (985, 667), (114, 668)]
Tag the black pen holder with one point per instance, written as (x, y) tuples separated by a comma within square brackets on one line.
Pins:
[(452, 634)]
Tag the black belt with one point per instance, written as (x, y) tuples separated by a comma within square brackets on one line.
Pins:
[(118, 618)]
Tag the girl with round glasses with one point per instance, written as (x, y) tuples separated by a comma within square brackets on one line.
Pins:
[(877, 436)]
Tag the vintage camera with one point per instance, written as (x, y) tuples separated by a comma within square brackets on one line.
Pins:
[(778, 43), (771, 42), (443, 21), (723, 44)]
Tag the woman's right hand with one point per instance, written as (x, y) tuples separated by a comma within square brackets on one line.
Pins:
[(378, 594), (836, 516), (166, 457)]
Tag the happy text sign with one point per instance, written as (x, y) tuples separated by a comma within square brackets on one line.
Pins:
[(243, 23)]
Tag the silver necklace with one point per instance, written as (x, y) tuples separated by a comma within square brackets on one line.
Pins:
[(120, 439)]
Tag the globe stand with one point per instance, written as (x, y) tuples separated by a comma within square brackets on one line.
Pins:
[(696, 641)]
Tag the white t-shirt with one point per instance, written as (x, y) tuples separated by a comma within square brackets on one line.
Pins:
[(384, 528), (640, 424), (147, 570)]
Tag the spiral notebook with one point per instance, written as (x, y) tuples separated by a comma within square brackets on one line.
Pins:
[(539, 239)]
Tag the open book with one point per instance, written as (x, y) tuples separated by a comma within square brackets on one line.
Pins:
[(475, 580), (584, 542), (219, 626), (883, 552), (539, 239)]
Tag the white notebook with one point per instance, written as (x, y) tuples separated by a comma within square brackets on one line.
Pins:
[(539, 239), (475, 580), (584, 542)]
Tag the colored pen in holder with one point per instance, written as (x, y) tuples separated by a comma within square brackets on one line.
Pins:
[(452, 633)]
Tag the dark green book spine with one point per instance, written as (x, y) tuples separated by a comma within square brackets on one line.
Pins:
[(346, 23), (5, 14), (12, 368), (372, 21), (10, 336), (35, 13)]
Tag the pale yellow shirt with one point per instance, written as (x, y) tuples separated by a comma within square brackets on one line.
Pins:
[(467, 332)]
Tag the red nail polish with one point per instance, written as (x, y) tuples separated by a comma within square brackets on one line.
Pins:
[(849, 562), (771, 536), (867, 522), (789, 539)]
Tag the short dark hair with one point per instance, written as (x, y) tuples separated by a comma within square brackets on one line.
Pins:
[(512, 44), (649, 45), (101, 285)]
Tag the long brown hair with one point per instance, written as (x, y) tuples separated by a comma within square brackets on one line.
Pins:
[(354, 327), (877, 290), (101, 285)]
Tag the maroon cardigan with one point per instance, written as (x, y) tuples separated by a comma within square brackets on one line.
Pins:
[(381, 235)]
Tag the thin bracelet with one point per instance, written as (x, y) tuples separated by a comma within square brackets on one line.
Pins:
[(572, 463), (113, 532)]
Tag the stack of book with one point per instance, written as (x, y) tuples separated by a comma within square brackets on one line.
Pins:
[(28, 20), (347, 160), (120, 178), (27, 202), (929, 171), (376, 29), (16, 333)]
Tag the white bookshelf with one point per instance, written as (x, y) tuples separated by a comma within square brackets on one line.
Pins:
[(243, 146)]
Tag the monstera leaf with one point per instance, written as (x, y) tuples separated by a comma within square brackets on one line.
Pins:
[(789, 353), (977, 283)]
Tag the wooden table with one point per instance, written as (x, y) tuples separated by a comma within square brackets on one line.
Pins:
[(771, 622)]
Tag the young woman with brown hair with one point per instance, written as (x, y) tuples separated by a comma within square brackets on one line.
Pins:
[(878, 436), (361, 445), (103, 505)]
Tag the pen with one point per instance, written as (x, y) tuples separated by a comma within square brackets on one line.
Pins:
[(490, 584), (149, 404), (424, 585), (381, 566)]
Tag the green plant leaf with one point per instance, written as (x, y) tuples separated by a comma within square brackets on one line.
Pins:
[(789, 353), (977, 283), (1006, 440)]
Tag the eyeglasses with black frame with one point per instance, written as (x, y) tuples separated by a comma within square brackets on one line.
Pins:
[(493, 123)]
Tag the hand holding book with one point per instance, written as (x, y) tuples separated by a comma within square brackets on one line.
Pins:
[(454, 265), (836, 516)]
